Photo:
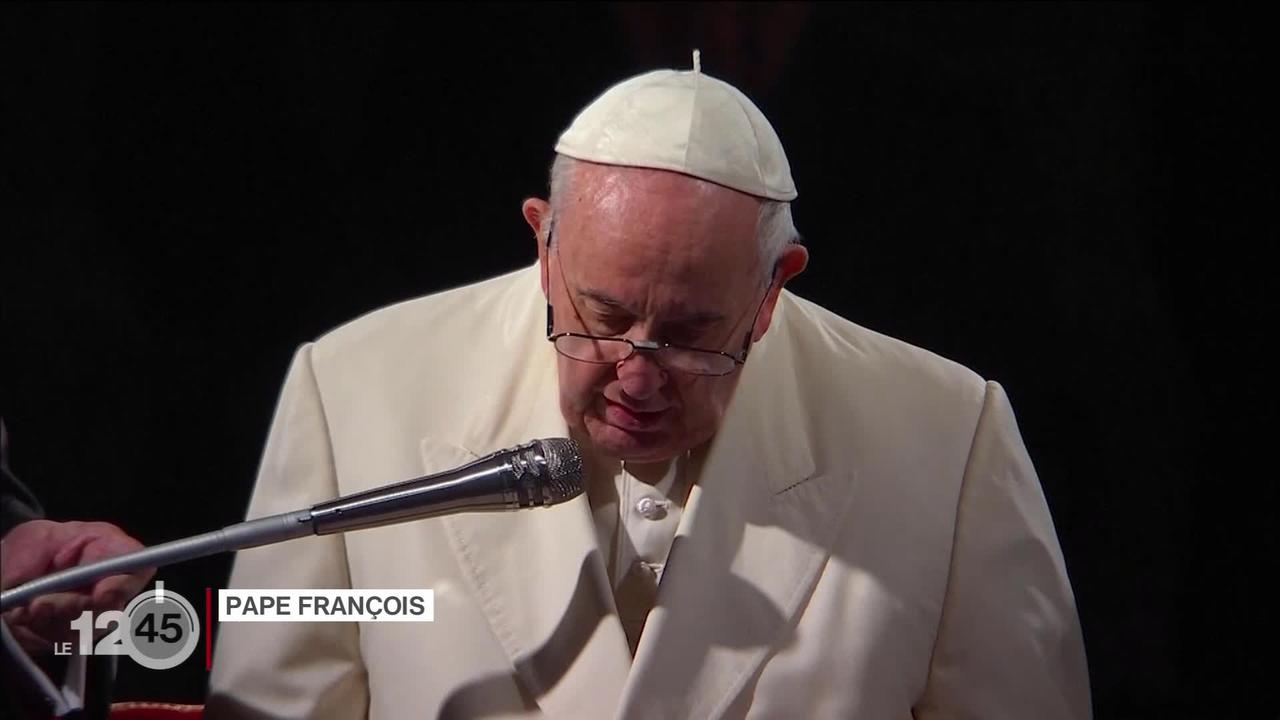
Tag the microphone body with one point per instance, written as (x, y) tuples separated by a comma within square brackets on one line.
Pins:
[(538, 473)]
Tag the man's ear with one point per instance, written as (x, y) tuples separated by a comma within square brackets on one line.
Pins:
[(791, 262), (536, 211)]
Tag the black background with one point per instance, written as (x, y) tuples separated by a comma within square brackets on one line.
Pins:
[(1070, 199)]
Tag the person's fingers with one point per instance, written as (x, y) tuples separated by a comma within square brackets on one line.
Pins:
[(82, 543), (48, 547), (73, 539), (16, 616), (108, 541), (18, 621), (69, 552), (49, 617), (26, 552), (38, 547), (35, 645), (56, 607), (115, 592)]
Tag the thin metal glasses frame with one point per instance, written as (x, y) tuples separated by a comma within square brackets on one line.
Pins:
[(738, 358)]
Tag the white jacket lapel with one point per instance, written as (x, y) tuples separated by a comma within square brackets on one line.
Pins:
[(751, 546), (537, 573)]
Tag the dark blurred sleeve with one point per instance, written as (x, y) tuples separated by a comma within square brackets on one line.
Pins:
[(17, 504)]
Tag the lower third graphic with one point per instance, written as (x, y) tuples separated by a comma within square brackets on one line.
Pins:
[(158, 629)]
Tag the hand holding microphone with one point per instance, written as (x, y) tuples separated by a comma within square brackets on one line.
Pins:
[(39, 547), (536, 474)]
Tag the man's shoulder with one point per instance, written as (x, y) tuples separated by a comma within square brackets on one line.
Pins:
[(818, 334), (873, 400), (449, 322)]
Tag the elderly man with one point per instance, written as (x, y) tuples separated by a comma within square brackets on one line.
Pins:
[(787, 515)]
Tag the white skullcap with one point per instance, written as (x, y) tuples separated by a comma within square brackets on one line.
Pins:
[(687, 122)]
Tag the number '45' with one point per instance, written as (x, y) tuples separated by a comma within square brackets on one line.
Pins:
[(168, 622)]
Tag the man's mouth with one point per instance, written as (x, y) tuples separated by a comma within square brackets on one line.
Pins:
[(627, 418)]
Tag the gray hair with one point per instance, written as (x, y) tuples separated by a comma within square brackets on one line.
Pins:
[(774, 226)]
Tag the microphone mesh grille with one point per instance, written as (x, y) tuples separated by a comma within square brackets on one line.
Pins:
[(564, 465)]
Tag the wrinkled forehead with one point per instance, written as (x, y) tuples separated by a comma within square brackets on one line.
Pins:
[(637, 230)]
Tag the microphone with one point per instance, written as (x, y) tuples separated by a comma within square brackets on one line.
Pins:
[(538, 473)]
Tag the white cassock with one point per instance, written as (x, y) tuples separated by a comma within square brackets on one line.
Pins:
[(865, 537)]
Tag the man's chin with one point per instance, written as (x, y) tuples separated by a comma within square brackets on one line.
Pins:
[(630, 445)]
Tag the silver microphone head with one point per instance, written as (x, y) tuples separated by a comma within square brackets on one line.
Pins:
[(564, 469)]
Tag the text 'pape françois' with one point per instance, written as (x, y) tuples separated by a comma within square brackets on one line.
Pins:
[(325, 605)]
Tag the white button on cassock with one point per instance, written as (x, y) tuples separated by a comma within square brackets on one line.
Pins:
[(651, 509)]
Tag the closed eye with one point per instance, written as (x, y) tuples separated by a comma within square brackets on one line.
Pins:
[(612, 324), (610, 317), (688, 336)]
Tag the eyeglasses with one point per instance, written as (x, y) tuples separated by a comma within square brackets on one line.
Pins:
[(613, 350)]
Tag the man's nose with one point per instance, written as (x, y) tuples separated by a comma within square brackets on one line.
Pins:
[(641, 375)]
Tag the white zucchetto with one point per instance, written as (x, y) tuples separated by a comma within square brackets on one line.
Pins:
[(687, 122)]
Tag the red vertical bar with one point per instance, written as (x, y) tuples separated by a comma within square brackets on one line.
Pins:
[(208, 629)]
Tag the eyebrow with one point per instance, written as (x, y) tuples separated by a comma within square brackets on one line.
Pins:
[(691, 318)]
